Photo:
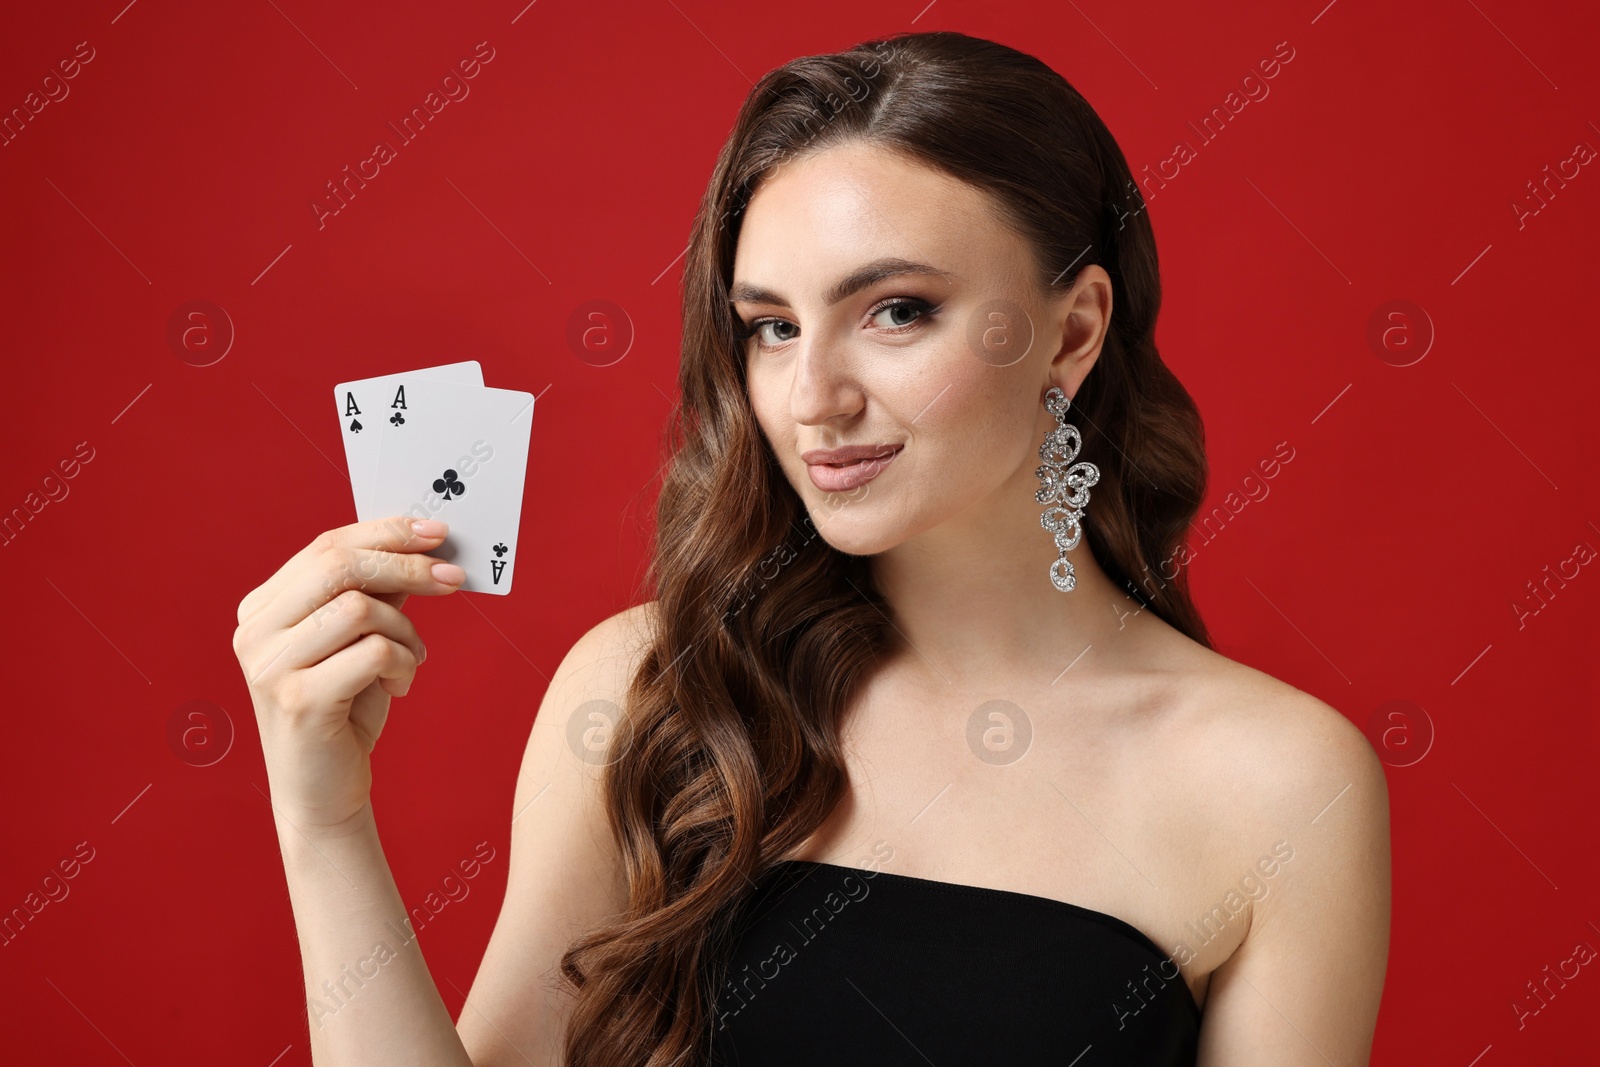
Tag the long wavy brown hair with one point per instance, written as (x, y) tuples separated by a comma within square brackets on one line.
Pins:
[(728, 756)]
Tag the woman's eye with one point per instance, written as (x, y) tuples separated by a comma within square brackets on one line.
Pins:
[(755, 329), (903, 312)]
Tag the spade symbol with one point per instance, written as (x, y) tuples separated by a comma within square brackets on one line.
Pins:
[(448, 484), (397, 419), (355, 425)]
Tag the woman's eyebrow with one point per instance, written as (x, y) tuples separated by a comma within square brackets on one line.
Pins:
[(860, 278)]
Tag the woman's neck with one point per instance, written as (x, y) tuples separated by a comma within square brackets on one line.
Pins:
[(972, 597)]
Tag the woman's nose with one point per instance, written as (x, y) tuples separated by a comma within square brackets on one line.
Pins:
[(824, 384)]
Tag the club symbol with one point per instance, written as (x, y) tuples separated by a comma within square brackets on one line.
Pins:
[(501, 549), (449, 484), (355, 425), (397, 419)]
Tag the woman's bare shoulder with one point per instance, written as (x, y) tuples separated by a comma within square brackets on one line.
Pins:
[(614, 646), (1278, 756), (1262, 714)]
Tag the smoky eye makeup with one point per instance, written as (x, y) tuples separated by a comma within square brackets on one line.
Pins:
[(923, 310)]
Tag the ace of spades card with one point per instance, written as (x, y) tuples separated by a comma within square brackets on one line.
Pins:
[(459, 454)]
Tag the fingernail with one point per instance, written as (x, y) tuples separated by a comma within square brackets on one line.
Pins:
[(429, 528), (449, 573), (424, 657)]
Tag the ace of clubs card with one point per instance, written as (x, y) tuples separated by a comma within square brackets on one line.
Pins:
[(456, 452)]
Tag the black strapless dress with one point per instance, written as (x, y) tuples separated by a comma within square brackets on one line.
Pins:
[(832, 965)]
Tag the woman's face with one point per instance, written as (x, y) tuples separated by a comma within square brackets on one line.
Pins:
[(939, 369)]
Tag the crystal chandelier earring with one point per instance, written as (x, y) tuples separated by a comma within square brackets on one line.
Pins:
[(1065, 488)]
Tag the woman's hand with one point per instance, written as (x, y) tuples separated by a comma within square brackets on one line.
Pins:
[(323, 645)]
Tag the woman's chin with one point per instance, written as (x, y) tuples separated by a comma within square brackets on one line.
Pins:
[(854, 537)]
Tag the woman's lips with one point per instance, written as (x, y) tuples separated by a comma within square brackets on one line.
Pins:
[(839, 478)]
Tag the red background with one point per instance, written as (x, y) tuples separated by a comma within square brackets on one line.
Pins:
[(1382, 566)]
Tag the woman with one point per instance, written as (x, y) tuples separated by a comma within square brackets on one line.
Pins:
[(925, 754)]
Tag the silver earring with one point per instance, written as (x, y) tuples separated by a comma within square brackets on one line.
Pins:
[(1065, 488)]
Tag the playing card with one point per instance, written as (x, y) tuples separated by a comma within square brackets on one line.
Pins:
[(366, 403), (458, 453)]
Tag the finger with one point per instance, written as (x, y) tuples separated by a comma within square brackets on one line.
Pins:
[(341, 622), (394, 600), (347, 672), (369, 711), (373, 571), (397, 533)]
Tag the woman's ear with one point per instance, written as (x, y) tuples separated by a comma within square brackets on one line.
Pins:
[(1082, 315)]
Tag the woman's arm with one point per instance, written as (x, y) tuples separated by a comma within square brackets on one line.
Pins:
[(324, 647), (369, 995), (1303, 988)]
